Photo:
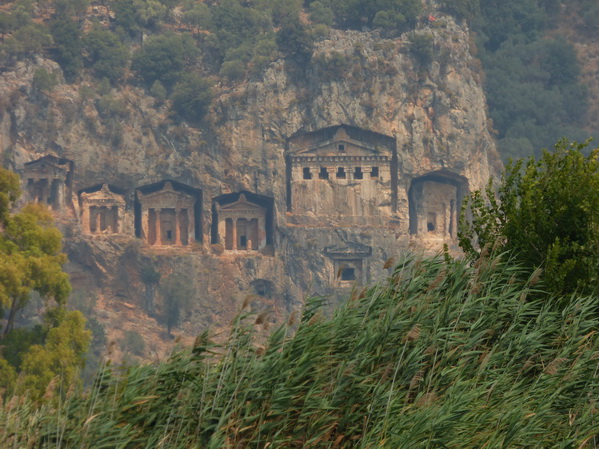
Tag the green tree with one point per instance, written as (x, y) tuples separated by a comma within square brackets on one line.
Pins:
[(134, 15), (164, 57), (177, 293), (43, 80), (321, 13), (294, 41), (106, 54), (67, 39), (547, 213), (191, 97), (357, 13), (32, 38), (158, 92), (198, 16), (62, 355), (30, 257)]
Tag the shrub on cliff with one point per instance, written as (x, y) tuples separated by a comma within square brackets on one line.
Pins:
[(358, 13), (191, 97), (164, 57), (105, 54), (67, 51), (547, 213)]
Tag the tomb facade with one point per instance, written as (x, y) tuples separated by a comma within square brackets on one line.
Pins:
[(350, 265), (48, 180), (102, 210), (435, 201), (242, 222), (342, 171), (168, 214)]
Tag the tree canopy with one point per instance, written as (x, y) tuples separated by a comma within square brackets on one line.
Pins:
[(31, 261), (546, 212)]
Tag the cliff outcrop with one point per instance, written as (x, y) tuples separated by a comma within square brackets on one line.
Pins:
[(302, 181)]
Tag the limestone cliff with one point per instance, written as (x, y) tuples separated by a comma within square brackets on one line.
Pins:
[(422, 122)]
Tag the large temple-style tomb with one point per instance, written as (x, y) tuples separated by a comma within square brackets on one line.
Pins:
[(344, 171), (243, 221), (48, 180), (167, 213)]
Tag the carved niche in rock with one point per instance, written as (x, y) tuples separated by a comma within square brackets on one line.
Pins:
[(242, 225), (168, 213), (342, 170), (435, 201), (350, 265), (242, 221), (49, 180), (102, 210)]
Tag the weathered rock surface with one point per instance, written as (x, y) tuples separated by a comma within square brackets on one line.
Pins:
[(435, 113)]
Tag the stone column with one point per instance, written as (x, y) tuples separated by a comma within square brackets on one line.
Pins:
[(191, 227), (85, 224), (261, 243), (177, 227), (158, 230), (98, 220), (145, 224), (60, 201), (234, 233), (120, 216)]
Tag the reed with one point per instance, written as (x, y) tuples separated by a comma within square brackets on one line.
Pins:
[(442, 355)]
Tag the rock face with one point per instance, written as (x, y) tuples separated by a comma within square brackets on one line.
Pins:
[(320, 174)]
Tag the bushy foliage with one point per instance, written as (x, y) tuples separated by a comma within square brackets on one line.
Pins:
[(105, 54), (30, 260), (177, 294), (294, 41), (67, 39), (164, 57), (443, 354), (191, 97), (392, 14), (532, 85), (136, 15), (62, 356), (421, 46), (43, 80), (134, 343), (547, 213)]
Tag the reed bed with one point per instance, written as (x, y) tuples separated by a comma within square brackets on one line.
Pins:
[(443, 355)]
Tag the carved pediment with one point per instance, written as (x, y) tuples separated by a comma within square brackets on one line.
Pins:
[(348, 250), (242, 206), (45, 168), (103, 196), (338, 144), (167, 193)]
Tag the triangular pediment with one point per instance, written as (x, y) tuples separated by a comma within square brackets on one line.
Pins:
[(167, 193), (242, 204), (45, 166), (104, 194)]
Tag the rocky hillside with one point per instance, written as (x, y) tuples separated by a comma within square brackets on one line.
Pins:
[(420, 92)]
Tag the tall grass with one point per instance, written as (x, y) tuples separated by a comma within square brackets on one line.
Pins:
[(443, 355)]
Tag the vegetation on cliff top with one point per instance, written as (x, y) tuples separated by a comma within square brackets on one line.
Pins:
[(531, 73)]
